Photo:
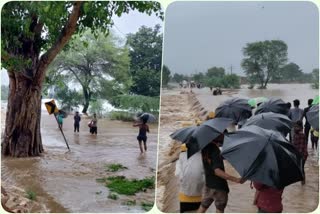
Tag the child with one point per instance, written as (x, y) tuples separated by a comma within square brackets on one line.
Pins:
[(191, 176), (93, 125), (314, 138), (77, 120), (60, 119), (142, 136), (299, 142)]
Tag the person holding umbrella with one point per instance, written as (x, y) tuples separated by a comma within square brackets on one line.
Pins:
[(216, 189), (142, 136)]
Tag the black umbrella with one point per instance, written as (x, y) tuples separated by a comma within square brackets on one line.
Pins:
[(273, 121), (183, 134), (264, 156), (236, 109), (206, 133), (274, 105), (313, 116), (150, 118)]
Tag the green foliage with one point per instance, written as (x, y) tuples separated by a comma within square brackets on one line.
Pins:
[(96, 106), (4, 92), (68, 97), (146, 206), (226, 81), (315, 78), (31, 195), (24, 22), (165, 75), (146, 54), (263, 60), (215, 72), (115, 167), (199, 77), (136, 103), (121, 115), (179, 77), (122, 185), (291, 73), (113, 196)]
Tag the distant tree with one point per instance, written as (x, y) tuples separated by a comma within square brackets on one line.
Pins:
[(263, 60), (146, 54), (315, 74), (199, 77), (231, 81), (69, 97), (290, 73), (32, 34), (91, 59), (178, 77), (215, 72), (165, 75)]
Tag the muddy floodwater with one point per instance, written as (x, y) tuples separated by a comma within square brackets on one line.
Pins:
[(66, 181), (179, 108)]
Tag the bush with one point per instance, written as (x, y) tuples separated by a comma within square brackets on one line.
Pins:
[(146, 206), (115, 167), (137, 103), (31, 195), (227, 81), (121, 115), (113, 196)]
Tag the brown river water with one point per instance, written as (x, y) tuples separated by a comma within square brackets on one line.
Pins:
[(179, 107), (66, 181)]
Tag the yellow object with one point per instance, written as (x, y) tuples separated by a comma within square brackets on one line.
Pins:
[(185, 198), (183, 148), (198, 122), (315, 133), (51, 107), (187, 123), (211, 115)]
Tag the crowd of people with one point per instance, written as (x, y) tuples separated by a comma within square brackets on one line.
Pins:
[(203, 179)]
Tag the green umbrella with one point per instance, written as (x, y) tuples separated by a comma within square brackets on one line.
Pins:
[(315, 100), (254, 101)]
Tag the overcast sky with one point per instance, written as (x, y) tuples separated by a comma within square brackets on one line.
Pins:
[(199, 35), (127, 23)]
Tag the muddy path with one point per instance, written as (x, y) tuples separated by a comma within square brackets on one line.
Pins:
[(66, 181), (177, 108)]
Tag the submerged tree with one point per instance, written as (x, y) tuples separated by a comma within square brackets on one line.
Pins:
[(263, 60), (92, 59), (32, 34)]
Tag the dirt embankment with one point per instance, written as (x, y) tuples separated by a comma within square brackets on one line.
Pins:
[(177, 109)]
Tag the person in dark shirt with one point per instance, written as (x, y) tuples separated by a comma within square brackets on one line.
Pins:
[(307, 126), (216, 188), (77, 120), (142, 136)]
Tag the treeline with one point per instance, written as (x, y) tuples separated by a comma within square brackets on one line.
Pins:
[(97, 67), (214, 77)]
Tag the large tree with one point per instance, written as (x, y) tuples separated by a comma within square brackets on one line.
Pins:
[(215, 72), (32, 34), (263, 60), (146, 54), (290, 73), (165, 75), (93, 59)]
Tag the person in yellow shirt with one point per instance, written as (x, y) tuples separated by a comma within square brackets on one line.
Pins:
[(190, 173)]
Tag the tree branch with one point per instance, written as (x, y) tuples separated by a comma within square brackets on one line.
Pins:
[(63, 38)]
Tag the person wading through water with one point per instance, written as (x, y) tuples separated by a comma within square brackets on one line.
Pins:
[(142, 136)]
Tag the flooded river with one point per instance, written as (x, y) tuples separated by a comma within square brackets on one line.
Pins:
[(66, 181), (178, 107)]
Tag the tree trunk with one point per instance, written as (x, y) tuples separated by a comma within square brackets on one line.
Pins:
[(87, 97), (22, 135)]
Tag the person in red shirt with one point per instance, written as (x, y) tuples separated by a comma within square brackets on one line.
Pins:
[(299, 142), (268, 199)]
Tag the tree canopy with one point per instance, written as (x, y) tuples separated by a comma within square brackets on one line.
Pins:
[(263, 60), (165, 75), (146, 54)]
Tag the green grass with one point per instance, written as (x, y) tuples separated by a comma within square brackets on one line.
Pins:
[(130, 203), (122, 185), (146, 206), (31, 195), (115, 167), (113, 196)]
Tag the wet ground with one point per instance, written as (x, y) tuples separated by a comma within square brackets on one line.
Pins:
[(66, 181), (177, 108)]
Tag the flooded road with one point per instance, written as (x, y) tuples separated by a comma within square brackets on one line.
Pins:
[(296, 198), (66, 181)]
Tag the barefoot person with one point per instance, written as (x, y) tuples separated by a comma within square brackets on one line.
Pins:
[(216, 189), (142, 136)]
